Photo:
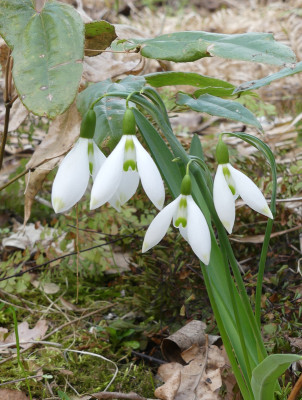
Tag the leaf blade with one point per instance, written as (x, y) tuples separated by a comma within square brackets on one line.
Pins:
[(265, 375), (48, 59), (192, 45), (216, 106)]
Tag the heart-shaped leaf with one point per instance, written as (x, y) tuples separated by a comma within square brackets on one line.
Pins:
[(48, 47)]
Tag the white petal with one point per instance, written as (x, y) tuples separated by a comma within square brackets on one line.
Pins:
[(250, 193), (126, 189), (72, 177), (224, 200), (150, 176), (97, 160), (184, 232), (160, 225), (199, 237), (109, 177)]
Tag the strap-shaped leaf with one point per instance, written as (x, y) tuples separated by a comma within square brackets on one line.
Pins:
[(270, 78), (191, 46), (265, 375), (216, 106), (162, 155), (47, 51), (216, 87)]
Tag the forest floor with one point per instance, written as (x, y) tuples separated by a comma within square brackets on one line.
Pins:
[(94, 310)]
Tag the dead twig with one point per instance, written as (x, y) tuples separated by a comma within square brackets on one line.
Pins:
[(61, 257), (78, 319), (61, 327), (118, 395), (8, 104), (296, 389)]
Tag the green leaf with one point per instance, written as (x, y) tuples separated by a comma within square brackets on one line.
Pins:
[(63, 395), (14, 16), (206, 84), (220, 107), (270, 78), (133, 344), (196, 147), (191, 46), (48, 50), (265, 375), (109, 110), (98, 36), (162, 155)]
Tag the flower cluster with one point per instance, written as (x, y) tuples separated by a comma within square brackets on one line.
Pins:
[(229, 183), (116, 178)]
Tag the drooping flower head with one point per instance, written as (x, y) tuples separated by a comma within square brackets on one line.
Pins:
[(118, 178), (83, 160), (188, 218), (229, 183)]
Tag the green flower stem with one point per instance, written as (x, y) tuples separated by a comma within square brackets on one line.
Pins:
[(246, 393), (262, 261), (247, 305), (161, 118), (129, 97), (236, 313), (12, 310)]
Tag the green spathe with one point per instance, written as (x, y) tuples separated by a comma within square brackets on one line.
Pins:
[(222, 152), (129, 125), (88, 125), (186, 185)]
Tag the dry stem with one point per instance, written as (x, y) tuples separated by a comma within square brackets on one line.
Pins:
[(296, 389)]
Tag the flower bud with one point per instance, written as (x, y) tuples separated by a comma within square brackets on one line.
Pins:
[(222, 152), (186, 185), (129, 125), (88, 125)]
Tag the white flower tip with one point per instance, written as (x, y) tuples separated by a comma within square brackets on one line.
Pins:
[(93, 203), (205, 259), (267, 212), (145, 247), (116, 205), (227, 226), (58, 205), (160, 203)]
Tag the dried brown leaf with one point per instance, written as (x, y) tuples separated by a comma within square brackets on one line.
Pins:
[(8, 394), (200, 379), (171, 374), (27, 334), (62, 134)]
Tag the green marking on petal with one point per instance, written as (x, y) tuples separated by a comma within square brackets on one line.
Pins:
[(182, 221), (229, 180), (233, 190), (129, 145), (226, 172), (58, 204), (90, 167), (183, 203), (90, 148), (129, 164)]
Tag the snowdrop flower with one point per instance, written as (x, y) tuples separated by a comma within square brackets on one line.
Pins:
[(72, 178), (229, 183), (118, 178), (186, 216)]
